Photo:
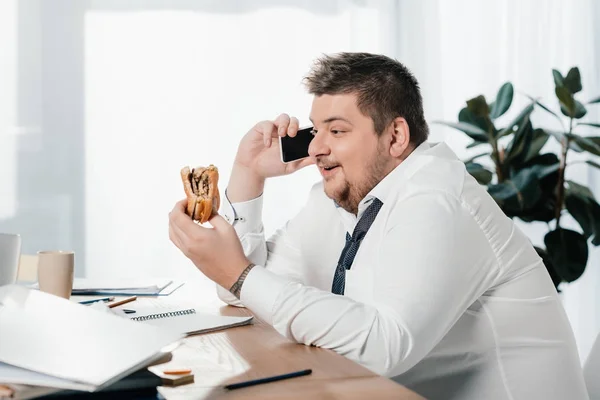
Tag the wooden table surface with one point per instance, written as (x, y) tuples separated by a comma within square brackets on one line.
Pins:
[(257, 351)]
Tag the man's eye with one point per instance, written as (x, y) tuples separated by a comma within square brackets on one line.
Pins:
[(335, 131)]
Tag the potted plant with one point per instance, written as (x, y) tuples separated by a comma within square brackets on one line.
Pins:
[(531, 185)]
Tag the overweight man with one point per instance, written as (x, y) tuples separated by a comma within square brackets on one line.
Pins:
[(399, 259)]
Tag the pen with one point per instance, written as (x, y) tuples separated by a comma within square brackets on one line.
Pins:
[(123, 301), (269, 379), (95, 300)]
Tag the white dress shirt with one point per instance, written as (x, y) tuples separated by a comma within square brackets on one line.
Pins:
[(446, 295)]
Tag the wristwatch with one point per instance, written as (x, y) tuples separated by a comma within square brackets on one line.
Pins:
[(236, 288)]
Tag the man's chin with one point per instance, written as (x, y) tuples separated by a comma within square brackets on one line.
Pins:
[(333, 191)]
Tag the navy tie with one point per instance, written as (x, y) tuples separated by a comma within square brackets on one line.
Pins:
[(352, 245)]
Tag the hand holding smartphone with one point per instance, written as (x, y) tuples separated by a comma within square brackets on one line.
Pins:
[(295, 148)]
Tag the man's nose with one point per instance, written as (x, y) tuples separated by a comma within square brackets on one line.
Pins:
[(318, 146)]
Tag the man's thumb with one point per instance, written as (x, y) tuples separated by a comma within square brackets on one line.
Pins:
[(218, 222)]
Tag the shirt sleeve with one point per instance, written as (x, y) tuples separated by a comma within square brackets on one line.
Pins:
[(278, 254), (433, 262)]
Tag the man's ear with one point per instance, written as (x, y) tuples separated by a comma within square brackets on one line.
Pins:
[(400, 140)]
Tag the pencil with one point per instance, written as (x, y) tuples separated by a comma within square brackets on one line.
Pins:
[(269, 379), (123, 301)]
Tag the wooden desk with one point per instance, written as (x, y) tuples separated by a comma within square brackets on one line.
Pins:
[(257, 351)]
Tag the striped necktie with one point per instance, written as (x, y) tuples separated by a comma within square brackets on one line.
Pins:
[(352, 245)]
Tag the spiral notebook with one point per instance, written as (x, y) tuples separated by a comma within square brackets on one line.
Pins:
[(188, 321)]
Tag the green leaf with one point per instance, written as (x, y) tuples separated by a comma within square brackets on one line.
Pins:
[(575, 188), (575, 147), (585, 144), (519, 193), (560, 136), (558, 78), (568, 251), (573, 80), (593, 164), (580, 209), (482, 175), (595, 210), (544, 171), (535, 101), (478, 106), (594, 100), (517, 121), (539, 139), (475, 144), (567, 102), (586, 212), (465, 115), (545, 167), (520, 143), (470, 160), (594, 124), (474, 132), (595, 139), (503, 101), (580, 110), (502, 192)]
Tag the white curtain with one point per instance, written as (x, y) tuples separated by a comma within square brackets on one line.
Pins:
[(462, 48), (8, 108), (168, 86), (115, 97)]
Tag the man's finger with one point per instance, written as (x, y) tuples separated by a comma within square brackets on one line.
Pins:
[(282, 122), (182, 205), (219, 223), (266, 128), (178, 217), (293, 127)]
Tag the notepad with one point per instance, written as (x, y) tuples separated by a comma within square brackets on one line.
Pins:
[(188, 321)]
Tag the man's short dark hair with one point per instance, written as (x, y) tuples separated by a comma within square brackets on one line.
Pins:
[(385, 89)]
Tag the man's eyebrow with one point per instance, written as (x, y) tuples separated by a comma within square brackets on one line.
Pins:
[(332, 119)]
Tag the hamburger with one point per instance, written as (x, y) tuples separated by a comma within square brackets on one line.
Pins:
[(202, 192)]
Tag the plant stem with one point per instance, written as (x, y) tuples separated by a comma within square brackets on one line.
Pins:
[(560, 189), (498, 157)]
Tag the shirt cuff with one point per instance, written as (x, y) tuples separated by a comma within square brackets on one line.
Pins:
[(260, 291), (245, 217)]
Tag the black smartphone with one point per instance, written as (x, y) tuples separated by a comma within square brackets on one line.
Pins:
[(295, 148)]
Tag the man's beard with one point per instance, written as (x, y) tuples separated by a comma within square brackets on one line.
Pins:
[(349, 195)]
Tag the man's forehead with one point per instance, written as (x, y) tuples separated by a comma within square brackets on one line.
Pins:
[(326, 108)]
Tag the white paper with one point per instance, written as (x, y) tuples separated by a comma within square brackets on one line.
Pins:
[(15, 375), (63, 339), (103, 285)]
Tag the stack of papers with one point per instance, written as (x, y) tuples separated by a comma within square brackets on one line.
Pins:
[(124, 287), (48, 341)]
